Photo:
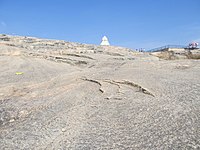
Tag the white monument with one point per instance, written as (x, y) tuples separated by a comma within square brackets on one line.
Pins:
[(105, 41)]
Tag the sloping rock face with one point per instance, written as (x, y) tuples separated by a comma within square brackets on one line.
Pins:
[(62, 95), (175, 53)]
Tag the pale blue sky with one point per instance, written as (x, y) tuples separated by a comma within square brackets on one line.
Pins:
[(130, 23)]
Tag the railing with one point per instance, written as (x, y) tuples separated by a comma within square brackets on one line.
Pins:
[(166, 47)]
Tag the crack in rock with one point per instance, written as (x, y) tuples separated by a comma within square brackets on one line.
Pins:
[(82, 56), (94, 81), (58, 59), (117, 83), (140, 88)]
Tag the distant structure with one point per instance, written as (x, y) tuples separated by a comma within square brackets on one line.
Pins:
[(105, 41), (193, 45), (167, 48)]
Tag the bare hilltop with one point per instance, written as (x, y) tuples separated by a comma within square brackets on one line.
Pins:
[(63, 95)]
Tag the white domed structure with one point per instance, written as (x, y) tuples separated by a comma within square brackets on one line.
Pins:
[(105, 41)]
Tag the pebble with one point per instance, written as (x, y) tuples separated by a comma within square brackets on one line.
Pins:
[(12, 120), (63, 130)]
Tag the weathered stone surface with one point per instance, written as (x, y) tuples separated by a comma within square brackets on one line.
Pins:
[(175, 53), (78, 96)]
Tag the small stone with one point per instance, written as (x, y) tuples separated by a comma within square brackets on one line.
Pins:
[(23, 113), (63, 130), (12, 120)]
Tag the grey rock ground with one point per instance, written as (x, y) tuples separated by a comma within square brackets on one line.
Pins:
[(78, 96)]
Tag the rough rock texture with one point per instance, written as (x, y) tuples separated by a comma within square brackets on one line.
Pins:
[(172, 54), (62, 95)]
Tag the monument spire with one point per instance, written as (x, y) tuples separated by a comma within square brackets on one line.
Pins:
[(105, 41)]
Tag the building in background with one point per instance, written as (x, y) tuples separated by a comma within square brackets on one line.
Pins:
[(104, 41)]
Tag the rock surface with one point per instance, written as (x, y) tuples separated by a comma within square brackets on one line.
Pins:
[(78, 96)]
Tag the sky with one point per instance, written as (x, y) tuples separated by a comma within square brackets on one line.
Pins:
[(129, 23)]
